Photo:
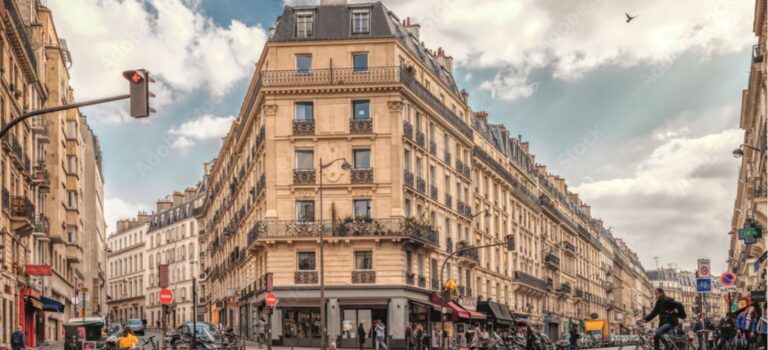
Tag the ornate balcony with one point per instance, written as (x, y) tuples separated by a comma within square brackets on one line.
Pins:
[(363, 276), (433, 148), (447, 157), (408, 178), (41, 178), (459, 167), (6, 199), (433, 192), (552, 261), (303, 127), (579, 293), (42, 227), (421, 185), (260, 138), (529, 280), (467, 251), (305, 277), (569, 248), (460, 207), (420, 138), (304, 176), (565, 288), (408, 130), (410, 278), (360, 126), (448, 200), (22, 213), (361, 176), (549, 284)]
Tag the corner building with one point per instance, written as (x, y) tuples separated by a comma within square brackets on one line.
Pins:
[(342, 82)]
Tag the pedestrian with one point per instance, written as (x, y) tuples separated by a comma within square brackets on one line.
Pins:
[(361, 334), (477, 337), (380, 334), (408, 336), (701, 332), (157, 324), (530, 338), (726, 331), (128, 340), (669, 311), (17, 339), (419, 336), (762, 327), (574, 338), (260, 333)]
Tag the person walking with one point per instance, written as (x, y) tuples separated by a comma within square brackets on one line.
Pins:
[(380, 334), (530, 338), (260, 331), (701, 332), (361, 335), (419, 336), (17, 339), (573, 339), (669, 311), (726, 332)]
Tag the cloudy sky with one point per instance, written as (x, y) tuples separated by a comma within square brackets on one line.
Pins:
[(641, 118)]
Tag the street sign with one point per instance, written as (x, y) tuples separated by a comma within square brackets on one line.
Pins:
[(703, 285), (728, 278), (704, 268), (37, 270), (165, 296), (271, 299)]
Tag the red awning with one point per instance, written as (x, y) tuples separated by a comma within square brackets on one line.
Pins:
[(458, 311), (476, 315)]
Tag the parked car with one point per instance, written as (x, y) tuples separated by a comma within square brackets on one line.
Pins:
[(207, 337), (136, 326)]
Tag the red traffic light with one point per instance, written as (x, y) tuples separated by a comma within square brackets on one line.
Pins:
[(136, 78), (139, 92)]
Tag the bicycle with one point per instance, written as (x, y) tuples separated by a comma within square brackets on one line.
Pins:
[(151, 342)]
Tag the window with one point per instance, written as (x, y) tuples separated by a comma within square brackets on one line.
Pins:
[(71, 164), (305, 159), (305, 211), (362, 158), (361, 110), (362, 208), (303, 63), (364, 260), (304, 24), (361, 22), (72, 199), (306, 261), (303, 111), (360, 62)]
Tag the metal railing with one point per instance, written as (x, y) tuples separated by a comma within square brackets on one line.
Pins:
[(342, 228)]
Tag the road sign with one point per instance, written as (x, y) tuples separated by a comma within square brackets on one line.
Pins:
[(271, 299), (704, 268), (704, 284), (165, 296), (728, 278)]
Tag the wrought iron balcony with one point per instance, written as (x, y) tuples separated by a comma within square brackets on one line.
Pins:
[(421, 185), (410, 278), (422, 281), (449, 245), (42, 227), (552, 260), (569, 248), (363, 276), (6, 199), (459, 166), (303, 127), (579, 293), (361, 176), (420, 138), (360, 126), (41, 178), (433, 192), (435, 284), (529, 280), (565, 287), (448, 200), (467, 251), (460, 207), (433, 148), (22, 207), (447, 157), (260, 138), (304, 176), (261, 185), (408, 178), (305, 277), (408, 130), (550, 283)]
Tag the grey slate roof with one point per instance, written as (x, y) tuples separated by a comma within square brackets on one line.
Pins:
[(333, 22)]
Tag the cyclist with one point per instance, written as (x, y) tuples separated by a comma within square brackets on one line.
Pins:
[(128, 340), (669, 311)]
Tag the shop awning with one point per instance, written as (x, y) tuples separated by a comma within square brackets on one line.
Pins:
[(497, 311), (34, 302), (474, 314), (52, 305), (456, 309)]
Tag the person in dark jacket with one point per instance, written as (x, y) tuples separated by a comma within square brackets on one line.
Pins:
[(17, 339), (408, 336), (361, 333), (530, 338), (574, 338), (726, 331), (701, 332), (669, 311)]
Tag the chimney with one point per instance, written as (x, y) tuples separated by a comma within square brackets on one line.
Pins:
[(482, 116), (271, 31), (189, 193), (143, 217), (444, 60), (465, 95), (332, 2), (414, 28), (163, 204), (524, 146), (121, 225), (178, 198), (587, 209)]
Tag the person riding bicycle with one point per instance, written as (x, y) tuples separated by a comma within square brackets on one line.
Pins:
[(669, 311), (128, 340)]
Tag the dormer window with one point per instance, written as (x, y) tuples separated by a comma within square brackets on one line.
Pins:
[(304, 24), (361, 22)]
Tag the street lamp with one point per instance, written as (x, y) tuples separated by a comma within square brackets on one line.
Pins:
[(739, 152), (346, 166)]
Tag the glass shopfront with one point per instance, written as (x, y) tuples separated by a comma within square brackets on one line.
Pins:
[(353, 316), (301, 327)]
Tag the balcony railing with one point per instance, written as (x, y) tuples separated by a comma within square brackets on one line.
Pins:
[(273, 229), (6, 199), (569, 247), (374, 75), (304, 176), (433, 148), (467, 251), (565, 288), (447, 157), (410, 278), (530, 280), (550, 283), (360, 126), (361, 176), (448, 200), (303, 127), (421, 185), (757, 57), (420, 138), (459, 166), (305, 277), (408, 178), (449, 245), (552, 260), (363, 276), (408, 130), (41, 225), (579, 293)]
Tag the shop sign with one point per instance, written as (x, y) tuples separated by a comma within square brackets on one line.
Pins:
[(750, 232), (468, 303)]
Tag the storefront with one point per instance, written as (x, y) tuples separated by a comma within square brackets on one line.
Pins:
[(299, 322), (30, 314), (355, 312), (552, 326), (499, 317), (421, 317)]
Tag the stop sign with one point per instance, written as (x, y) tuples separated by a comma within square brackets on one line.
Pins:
[(271, 299), (166, 296)]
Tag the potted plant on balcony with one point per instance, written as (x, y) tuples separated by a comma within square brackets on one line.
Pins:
[(419, 228)]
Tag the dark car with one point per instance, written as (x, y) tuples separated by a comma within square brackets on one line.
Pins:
[(207, 337), (136, 326)]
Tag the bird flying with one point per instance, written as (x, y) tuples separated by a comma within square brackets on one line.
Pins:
[(629, 18)]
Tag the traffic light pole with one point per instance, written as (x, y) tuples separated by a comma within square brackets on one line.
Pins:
[(443, 300), (24, 116)]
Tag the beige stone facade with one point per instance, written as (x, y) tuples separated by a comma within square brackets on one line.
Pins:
[(126, 269), (428, 177), (94, 227)]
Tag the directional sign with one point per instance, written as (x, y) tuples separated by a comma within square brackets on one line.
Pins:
[(166, 296), (271, 299), (703, 267), (728, 278), (704, 284)]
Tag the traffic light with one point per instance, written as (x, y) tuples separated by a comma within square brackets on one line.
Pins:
[(139, 80), (510, 242)]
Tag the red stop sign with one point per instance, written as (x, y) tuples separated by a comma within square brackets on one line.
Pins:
[(271, 299), (166, 296)]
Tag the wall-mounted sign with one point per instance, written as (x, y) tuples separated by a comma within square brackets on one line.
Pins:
[(728, 278), (37, 270), (750, 232)]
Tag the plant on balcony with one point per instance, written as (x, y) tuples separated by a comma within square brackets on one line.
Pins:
[(421, 225)]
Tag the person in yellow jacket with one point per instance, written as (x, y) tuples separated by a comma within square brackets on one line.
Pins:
[(128, 340)]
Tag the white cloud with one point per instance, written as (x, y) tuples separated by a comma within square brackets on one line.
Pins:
[(117, 209), (509, 86), (681, 194), (206, 127), (181, 47), (574, 37)]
